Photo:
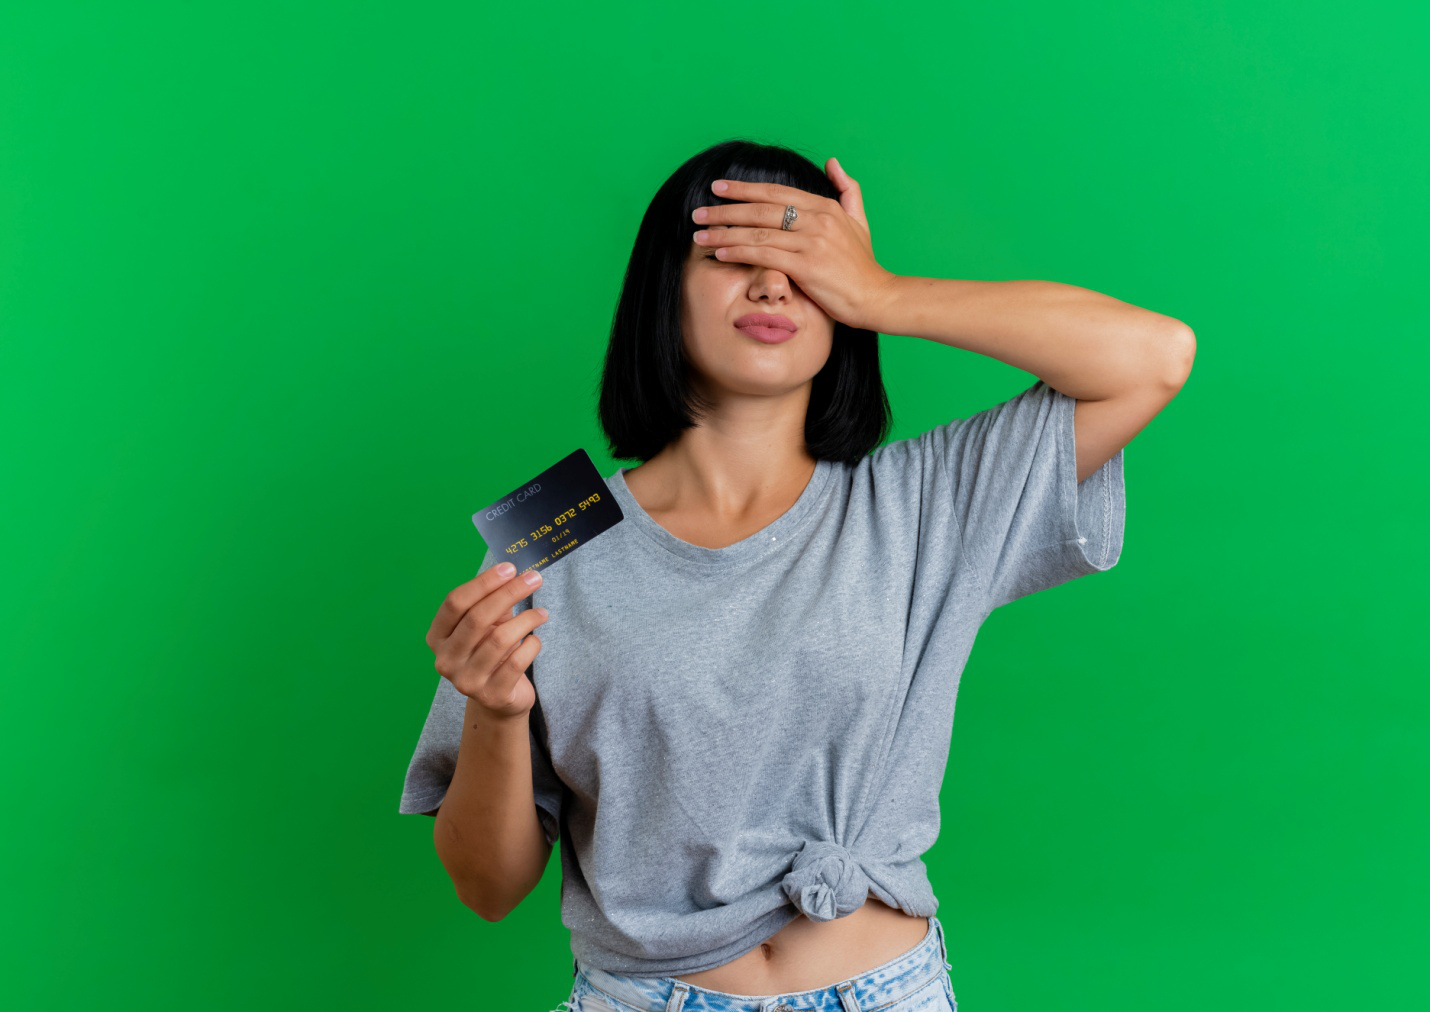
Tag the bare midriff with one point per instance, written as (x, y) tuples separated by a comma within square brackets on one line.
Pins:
[(805, 954)]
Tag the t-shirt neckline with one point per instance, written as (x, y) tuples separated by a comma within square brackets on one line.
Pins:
[(767, 539)]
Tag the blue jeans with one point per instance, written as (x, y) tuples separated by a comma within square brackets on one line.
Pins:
[(917, 981)]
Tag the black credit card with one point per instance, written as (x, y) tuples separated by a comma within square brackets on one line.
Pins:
[(550, 516)]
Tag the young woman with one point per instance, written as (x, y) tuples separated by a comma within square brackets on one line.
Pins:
[(740, 714)]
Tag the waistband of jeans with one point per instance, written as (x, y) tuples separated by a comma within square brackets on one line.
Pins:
[(928, 958)]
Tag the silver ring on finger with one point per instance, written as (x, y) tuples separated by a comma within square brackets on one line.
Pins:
[(790, 216)]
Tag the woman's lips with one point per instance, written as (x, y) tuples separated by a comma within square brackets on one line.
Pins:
[(768, 335)]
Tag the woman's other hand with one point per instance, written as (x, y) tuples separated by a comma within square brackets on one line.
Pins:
[(827, 251), (478, 642)]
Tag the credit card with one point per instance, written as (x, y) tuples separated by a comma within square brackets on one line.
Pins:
[(550, 516)]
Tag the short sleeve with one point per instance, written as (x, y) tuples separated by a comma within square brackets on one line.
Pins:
[(1027, 523), (433, 763)]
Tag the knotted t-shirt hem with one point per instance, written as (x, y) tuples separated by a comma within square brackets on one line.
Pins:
[(910, 893)]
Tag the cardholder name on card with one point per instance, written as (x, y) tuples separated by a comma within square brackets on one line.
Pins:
[(550, 516)]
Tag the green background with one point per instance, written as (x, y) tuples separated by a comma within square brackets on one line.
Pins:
[(288, 290)]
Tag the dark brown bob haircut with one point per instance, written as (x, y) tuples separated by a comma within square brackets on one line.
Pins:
[(646, 400)]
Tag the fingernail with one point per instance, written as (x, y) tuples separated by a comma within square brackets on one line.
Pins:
[(506, 569), (532, 577), (720, 186)]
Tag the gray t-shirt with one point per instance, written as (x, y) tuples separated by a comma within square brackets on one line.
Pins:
[(728, 737)]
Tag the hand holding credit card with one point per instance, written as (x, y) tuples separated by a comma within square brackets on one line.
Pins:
[(549, 516)]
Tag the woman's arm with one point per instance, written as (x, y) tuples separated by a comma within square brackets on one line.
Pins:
[(1088, 345), (1121, 362), (487, 833)]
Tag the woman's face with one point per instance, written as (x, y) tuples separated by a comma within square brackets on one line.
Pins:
[(727, 360)]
